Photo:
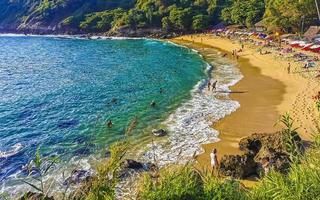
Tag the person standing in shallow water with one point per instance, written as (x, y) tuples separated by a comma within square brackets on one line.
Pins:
[(214, 160)]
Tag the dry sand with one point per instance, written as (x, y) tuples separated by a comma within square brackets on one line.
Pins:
[(269, 91)]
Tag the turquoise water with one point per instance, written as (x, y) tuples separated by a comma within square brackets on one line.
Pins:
[(58, 94)]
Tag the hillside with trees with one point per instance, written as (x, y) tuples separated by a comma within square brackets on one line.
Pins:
[(98, 16)]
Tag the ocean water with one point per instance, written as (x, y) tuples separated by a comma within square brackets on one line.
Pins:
[(58, 93)]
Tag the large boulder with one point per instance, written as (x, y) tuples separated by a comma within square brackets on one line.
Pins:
[(238, 166), (271, 146), (78, 177), (132, 164)]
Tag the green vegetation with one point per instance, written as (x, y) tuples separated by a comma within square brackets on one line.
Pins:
[(170, 15), (184, 182)]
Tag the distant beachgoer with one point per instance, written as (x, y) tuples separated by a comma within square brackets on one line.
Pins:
[(224, 55), (237, 57), (214, 85), (209, 85), (109, 124), (153, 104), (161, 90), (242, 46), (214, 159), (289, 68)]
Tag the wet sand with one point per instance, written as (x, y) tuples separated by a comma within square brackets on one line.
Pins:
[(265, 92)]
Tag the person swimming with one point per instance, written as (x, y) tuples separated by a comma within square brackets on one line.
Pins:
[(153, 104), (109, 123)]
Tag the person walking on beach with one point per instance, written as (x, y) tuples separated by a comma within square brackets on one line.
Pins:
[(214, 85), (209, 85), (214, 160), (289, 68)]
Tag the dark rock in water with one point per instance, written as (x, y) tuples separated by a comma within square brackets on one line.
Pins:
[(159, 133), (78, 176), (132, 164), (35, 196), (131, 168), (150, 166), (238, 166)]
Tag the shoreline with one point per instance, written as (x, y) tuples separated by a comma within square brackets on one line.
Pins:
[(268, 92)]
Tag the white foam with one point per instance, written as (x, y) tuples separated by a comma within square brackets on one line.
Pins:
[(13, 151), (64, 36), (191, 124)]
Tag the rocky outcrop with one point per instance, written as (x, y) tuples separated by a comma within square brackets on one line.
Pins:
[(257, 149), (78, 177), (238, 166)]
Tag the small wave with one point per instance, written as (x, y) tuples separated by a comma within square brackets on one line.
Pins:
[(191, 124), (15, 149)]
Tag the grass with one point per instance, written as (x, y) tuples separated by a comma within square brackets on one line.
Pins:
[(184, 182), (302, 181)]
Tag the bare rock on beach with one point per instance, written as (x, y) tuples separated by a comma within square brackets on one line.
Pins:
[(257, 148), (271, 146), (238, 166)]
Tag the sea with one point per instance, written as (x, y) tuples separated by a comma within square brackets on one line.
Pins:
[(57, 95)]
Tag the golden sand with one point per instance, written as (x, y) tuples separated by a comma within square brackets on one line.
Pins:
[(268, 91)]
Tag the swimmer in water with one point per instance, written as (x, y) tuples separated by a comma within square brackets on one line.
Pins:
[(153, 104), (109, 124)]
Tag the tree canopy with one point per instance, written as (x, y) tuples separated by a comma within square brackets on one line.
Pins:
[(170, 15)]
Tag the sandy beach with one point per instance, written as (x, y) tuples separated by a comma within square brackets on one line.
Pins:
[(266, 92)]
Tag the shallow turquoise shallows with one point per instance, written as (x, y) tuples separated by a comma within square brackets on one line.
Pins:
[(58, 94)]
